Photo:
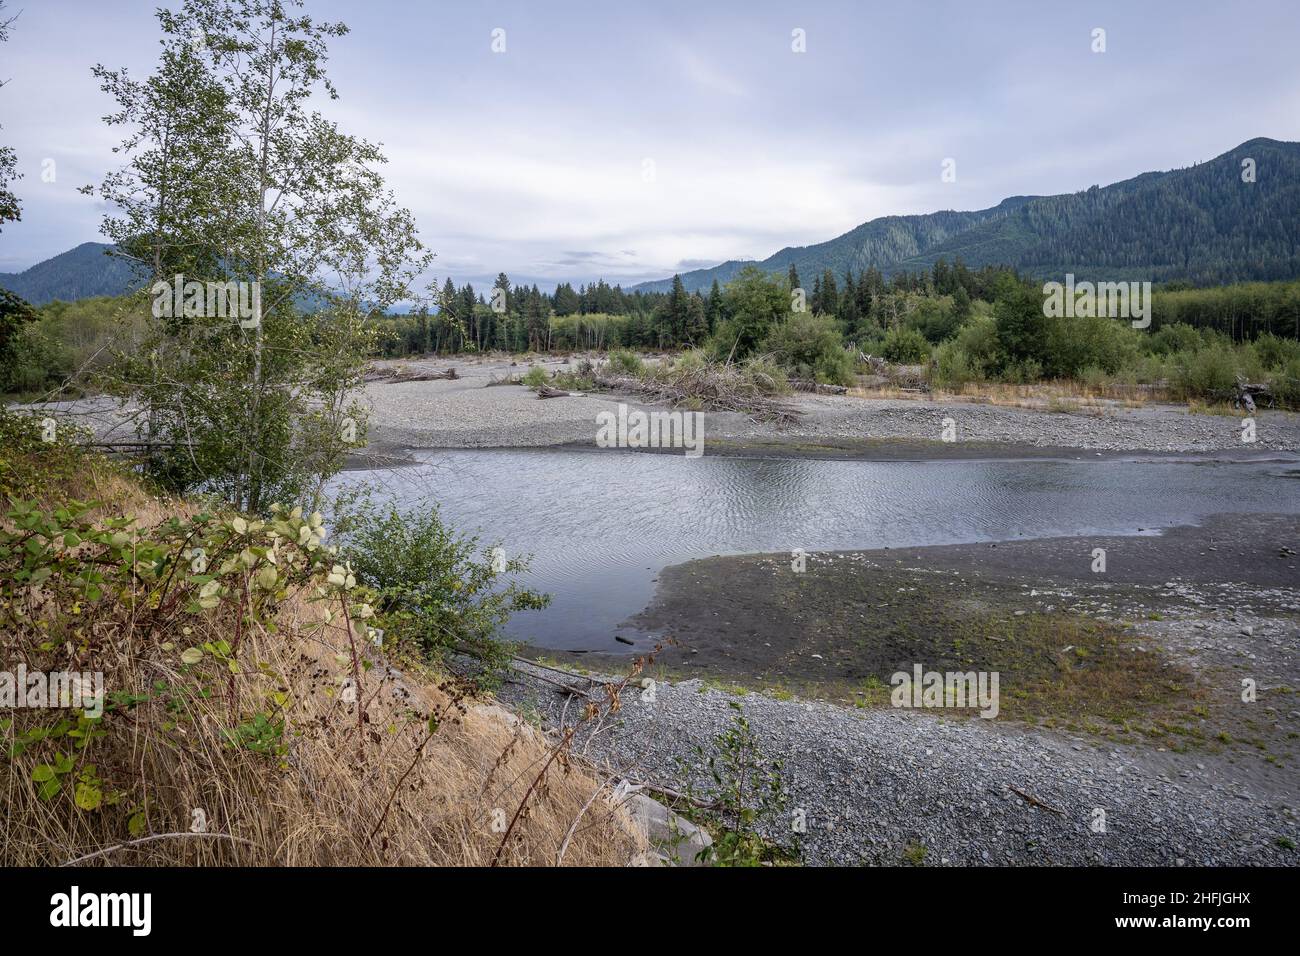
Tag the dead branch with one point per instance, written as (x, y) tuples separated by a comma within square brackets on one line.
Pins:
[(1034, 801)]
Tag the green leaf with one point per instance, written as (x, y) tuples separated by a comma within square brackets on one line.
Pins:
[(191, 656), (43, 773), (88, 796)]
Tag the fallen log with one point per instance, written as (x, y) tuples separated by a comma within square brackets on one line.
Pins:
[(550, 391), (819, 387), (1246, 392), (402, 374)]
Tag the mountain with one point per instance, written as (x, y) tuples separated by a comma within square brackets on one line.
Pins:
[(76, 274), (1202, 224), (87, 270)]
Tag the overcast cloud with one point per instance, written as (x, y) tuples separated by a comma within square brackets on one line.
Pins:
[(538, 161)]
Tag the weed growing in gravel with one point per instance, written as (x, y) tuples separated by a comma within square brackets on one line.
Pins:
[(747, 793)]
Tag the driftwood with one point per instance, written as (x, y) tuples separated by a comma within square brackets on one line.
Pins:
[(711, 388), (402, 373), (910, 378), (818, 387), (1246, 392), (550, 391)]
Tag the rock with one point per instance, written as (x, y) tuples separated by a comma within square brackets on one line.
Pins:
[(674, 839)]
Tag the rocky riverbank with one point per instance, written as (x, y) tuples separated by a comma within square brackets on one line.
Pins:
[(464, 412), (1123, 736)]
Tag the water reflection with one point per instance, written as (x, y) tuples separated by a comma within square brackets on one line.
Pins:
[(600, 525)]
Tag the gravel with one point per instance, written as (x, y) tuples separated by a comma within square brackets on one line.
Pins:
[(880, 786), (464, 413)]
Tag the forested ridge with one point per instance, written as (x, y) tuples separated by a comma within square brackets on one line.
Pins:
[(1203, 224)]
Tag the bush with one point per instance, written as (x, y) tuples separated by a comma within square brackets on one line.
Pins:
[(1276, 353), (1209, 373), (1286, 384), (1080, 343), (692, 361), (810, 347), (954, 367), (622, 362), (936, 319), (439, 588), (1094, 378), (905, 347), (1171, 339), (764, 376), (230, 684), (1024, 372), (535, 377)]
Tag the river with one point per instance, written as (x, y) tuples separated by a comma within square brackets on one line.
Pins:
[(600, 525)]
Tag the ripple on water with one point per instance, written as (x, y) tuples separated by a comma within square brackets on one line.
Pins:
[(601, 525)]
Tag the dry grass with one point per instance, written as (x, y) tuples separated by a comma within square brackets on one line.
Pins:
[(406, 768), (1040, 395)]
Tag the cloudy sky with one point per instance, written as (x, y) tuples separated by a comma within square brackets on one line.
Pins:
[(631, 140)]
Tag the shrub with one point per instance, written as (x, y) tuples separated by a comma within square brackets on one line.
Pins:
[(1079, 343), (978, 338), (574, 381), (764, 376), (535, 377), (438, 587), (623, 362), (936, 318), (1094, 378), (693, 360), (905, 347), (954, 367), (810, 347), (1171, 339), (1286, 384), (747, 797), (236, 695), (1276, 353), (1023, 372), (1209, 373)]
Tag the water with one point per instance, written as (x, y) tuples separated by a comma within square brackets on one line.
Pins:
[(600, 525)]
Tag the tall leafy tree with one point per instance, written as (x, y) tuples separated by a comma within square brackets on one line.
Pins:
[(10, 208), (755, 302), (14, 311), (233, 177)]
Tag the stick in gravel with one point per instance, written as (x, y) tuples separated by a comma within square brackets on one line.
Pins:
[(1034, 801)]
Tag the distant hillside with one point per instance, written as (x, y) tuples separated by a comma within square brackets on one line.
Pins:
[(1201, 224), (84, 271)]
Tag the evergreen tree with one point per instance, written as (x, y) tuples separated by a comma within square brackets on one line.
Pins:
[(713, 310)]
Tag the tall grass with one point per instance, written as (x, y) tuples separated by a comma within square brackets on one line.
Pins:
[(262, 725)]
